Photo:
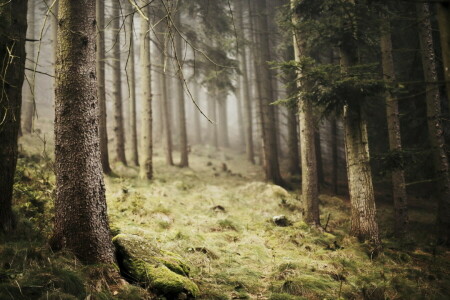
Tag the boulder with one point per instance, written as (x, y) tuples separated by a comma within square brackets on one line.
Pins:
[(161, 271)]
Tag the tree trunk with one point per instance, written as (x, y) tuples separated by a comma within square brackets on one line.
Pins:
[(213, 136), (29, 104), (146, 160), (363, 220), (271, 164), (245, 90), (196, 114), (119, 132), (318, 148), (393, 122), (435, 129), (223, 120), (443, 13), (12, 66), (81, 222), (334, 155), (130, 69), (184, 161), (103, 132), (168, 146), (310, 193), (293, 151), (240, 115)]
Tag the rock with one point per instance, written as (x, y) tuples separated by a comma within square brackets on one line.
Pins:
[(281, 221), (161, 271), (268, 192), (218, 208)]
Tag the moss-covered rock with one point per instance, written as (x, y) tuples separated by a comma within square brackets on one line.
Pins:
[(161, 271)]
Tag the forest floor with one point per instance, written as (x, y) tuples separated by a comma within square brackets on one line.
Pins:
[(218, 215)]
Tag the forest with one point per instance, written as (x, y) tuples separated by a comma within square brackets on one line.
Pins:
[(224, 149)]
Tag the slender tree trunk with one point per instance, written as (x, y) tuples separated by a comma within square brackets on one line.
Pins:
[(213, 136), (310, 193), (29, 105), (363, 220), (334, 155), (393, 122), (196, 114), (184, 161), (318, 148), (81, 222), (293, 151), (130, 69), (103, 132), (12, 66), (223, 120), (271, 164), (245, 90), (119, 131), (146, 160), (435, 129), (443, 13), (239, 113), (168, 146)]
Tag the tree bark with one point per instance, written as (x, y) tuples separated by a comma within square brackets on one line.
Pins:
[(146, 160), (223, 120), (268, 125), (363, 220), (334, 155), (213, 136), (310, 193), (245, 90), (196, 113), (184, 161), (131, 75), (29, 104), (12, 66), (393, 122), (81, 222), (103, 132), (318, 149), (119, 131), (443, 16), (435, 129), (293, 151)]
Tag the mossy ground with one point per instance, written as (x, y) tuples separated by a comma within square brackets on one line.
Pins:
[(220, 223)]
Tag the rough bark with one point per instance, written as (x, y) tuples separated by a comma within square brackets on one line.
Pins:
[(362, 198), (145, 159), (310, 193), (245, 90), (435, 129), (443, 16), (131, 76), (103, 132), (393, 122), (271, 164), (29, 105), (81, 222), (13, 30), (184, 161), (119, 131)]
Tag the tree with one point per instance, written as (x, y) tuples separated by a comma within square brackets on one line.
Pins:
[(130, 68), (81, 222), (443, 13), (393, 122), (245, 88), (435, 129), (29, 105), (184, 162), (119, 132), (103, 132), (13, 27), (310, 193), (146, 161)]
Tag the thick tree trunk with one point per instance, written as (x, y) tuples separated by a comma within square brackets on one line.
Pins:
[(12, 66), (271, 164), (184, 161), (310, 193), (245, 90), (146, 160), (29, 103), (363, 220), (435, 129), (443, 13), (119, 131), (318, 148), (81, 222), (293, 151), (393, 122), (103, 132), (131, 75)]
